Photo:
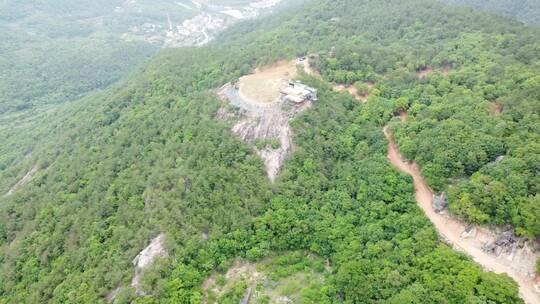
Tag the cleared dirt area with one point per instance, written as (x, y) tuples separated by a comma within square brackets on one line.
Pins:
[(423, 73), (446, 70), (353, 91), (309, 70), (519, 264), (403, 116), (265, 84), (495, 109), (241, 271)]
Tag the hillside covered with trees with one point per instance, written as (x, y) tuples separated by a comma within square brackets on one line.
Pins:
[(149, 156)]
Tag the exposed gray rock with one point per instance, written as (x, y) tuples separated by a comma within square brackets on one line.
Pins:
[(247, 295), (145, 258), (439, 202), (262, 123), (26, 178), (469, 232), (506, 243), (506, 239), (499, 159)]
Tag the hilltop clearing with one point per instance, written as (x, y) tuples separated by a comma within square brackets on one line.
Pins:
[(264, 112), (265, 84)]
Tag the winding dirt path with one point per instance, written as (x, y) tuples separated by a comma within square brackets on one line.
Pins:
[(518, 266)]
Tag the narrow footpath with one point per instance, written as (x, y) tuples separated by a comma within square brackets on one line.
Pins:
[(452, 230)]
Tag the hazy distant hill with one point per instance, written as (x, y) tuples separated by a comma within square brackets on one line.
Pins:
[(527, 11), (54, 51)]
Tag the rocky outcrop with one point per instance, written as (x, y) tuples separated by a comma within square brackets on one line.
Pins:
[(271, 125), (145, 259), (499, 159), (246, 297), (469, 232), (24, 180), (504, 243), (439, 202), (265, 127)]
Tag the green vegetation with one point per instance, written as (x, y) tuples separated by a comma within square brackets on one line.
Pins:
[(296, 275), (269, 143), (57, 51), (148, 156)]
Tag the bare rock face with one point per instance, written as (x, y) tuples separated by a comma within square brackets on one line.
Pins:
[(439, 202), (270, 125), (506, 243), (470, 232), (263, 124), (246, 297), (146, 257), (26, 178)]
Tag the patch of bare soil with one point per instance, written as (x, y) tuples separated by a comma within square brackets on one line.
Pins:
[(495, 109), (403, 116), (240, 271), (265, 281), (517, 262), (308, 69), (423, 73), (24, 180), (446, 70), (351, 89)]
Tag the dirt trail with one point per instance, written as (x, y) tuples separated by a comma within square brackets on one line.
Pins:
[(518, 266)]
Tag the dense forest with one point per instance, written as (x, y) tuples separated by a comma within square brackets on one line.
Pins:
[(149, 156), (56, 51)]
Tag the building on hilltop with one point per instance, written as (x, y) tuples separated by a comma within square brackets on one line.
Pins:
[(298, 93)]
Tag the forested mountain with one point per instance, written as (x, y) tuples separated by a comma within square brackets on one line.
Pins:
[(149, 156), (56, 51), (527, 11)]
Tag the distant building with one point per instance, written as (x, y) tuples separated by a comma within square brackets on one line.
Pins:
[(298, 93)]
